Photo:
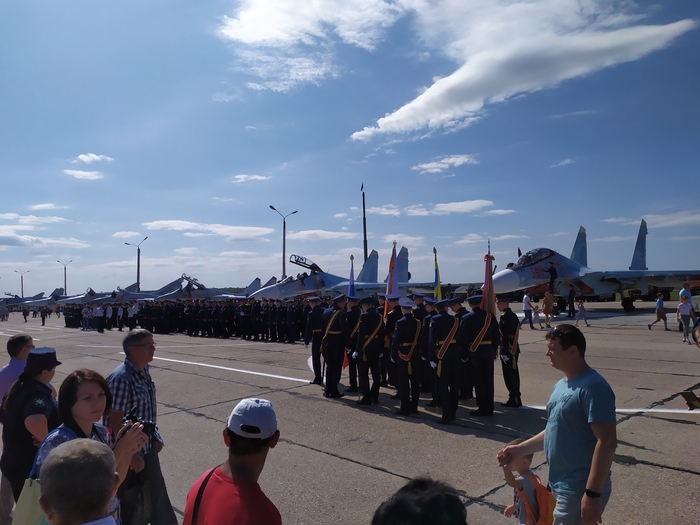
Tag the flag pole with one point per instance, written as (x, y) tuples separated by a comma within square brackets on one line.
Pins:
[(364, 220)]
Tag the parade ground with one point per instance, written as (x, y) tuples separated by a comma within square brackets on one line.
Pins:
[(336, 462)]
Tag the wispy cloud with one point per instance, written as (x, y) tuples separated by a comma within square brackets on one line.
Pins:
[(84, 175), (125, 235), (509, 237), (403, 239), (420, 210), (503, 50), (613, 238), (563, 163), (46, 206), (472, 238), (231, 233), (237, 179), (680, 218), (186, 251), (238, 254), (616, 220), (575, 114), (441, 164), (321, 235), (499, 212), (558, 234), (31, 220), (340, 215), (387, 209), (89, 158)]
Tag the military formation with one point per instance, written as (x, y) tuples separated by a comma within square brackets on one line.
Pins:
[(415, 345)]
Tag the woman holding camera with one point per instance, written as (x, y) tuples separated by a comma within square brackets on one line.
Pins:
[(83, 399)]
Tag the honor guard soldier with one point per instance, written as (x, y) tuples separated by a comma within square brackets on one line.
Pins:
[(466, 371), (392, 316), (445, 359), (428, 373), (314, 328), (419, 312), (351, 326), (479, 336), (370, 342), (510, 351), (333, 344), (406, 357)]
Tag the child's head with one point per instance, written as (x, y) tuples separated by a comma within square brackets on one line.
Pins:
[(522, 464), (580, 301), (660, 295)]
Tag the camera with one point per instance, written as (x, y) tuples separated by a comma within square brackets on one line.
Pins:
[(149, 427)]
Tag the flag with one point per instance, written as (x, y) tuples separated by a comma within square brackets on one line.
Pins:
[(392, 281), (437, 291), (351, 284), (362, 188), (488, 300)]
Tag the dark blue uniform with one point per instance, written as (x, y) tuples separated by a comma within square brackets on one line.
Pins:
[(447, 368), (370, 343), (333, 346), (482, 355), (314, 335), (406, 356), (509, 326), (351, 326)]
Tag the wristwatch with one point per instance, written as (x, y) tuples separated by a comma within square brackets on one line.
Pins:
[(592, 493)]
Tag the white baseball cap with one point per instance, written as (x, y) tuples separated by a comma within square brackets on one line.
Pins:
[(253, 418)]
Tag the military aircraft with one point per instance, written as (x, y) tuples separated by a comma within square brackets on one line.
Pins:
[(530, 271), (16, 300), (196, 290), (319, 282)]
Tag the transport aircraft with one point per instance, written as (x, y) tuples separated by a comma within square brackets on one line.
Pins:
[(531, 272)]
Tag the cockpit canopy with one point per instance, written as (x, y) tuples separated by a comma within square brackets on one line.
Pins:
[(532, 257)]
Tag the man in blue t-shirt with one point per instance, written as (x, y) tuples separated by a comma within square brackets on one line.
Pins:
[(580, 438)]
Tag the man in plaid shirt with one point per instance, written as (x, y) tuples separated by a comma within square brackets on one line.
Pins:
[(134, 393)]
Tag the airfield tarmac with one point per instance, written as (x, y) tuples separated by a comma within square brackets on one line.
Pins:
[(336, 462)]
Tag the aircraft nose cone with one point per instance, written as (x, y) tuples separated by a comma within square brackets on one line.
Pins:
[(506, 281)]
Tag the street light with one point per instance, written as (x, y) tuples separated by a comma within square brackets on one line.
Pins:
[(138, 263), (21, 280), (65, 287), (284, 238)]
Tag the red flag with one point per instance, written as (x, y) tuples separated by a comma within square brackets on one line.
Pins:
[(488, 300)]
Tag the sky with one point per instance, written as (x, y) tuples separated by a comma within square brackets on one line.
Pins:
[(466, 121)]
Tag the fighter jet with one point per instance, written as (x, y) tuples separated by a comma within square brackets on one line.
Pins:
[(531, 271), (15, 300)]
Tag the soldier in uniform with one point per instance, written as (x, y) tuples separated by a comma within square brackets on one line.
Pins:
[(479, 336), (466, 370), (351, 326), (420, 311), (510, 351), (314, 335), (394, 314), (445, 359), (333, 344), (370, 340), (406, 356), (428, 373)]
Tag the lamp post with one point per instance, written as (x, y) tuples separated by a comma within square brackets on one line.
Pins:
[(284, 238), (138, 262), (65, 286), (21, 280)]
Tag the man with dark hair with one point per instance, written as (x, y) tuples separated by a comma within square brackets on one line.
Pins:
[(351, 327), (134, 392), (370, 341), (333, 345), (510, 351), (314, 335), (230, 492), (422, 501), (406, 357), (580, 438), (444, 357), (78, 483), (18, 347)]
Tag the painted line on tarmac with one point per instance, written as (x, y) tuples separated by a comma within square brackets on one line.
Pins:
[(232, 369), (637, 410)]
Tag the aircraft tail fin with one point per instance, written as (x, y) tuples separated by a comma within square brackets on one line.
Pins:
[(131, 288), (369, 272), (168, 288), (580, 252), (38, 296), (58, 292), (639, 258), (253, 287), (272, 280), (402, 265)]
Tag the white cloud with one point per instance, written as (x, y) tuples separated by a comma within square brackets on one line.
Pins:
[(89, 158), (680, 218), (509, 237), (46, 206), (499, 212), (613, 238), (405, 240), (386, 209), (237, 179), (617, 220), (472, 238), (13, 239), (288, 42), (186, 251), (238, 254), (321, 235), (503, 50), (438, 165), (419, 210), (558, 234), (125, 235), (574, 114), (195, 229), (563, 163), (31, 220), (340, 215), (84, 175)]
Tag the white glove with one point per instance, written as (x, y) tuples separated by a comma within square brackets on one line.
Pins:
[(423, 358), (354, 355), (392, 360), (505, 358), (381, 355), (433, 364)]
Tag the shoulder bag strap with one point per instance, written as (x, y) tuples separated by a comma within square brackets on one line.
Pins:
[(200, 493)]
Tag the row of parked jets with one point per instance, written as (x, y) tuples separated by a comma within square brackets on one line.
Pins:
[(531, 272)]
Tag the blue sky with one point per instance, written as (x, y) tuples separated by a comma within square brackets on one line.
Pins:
[(465, 120)]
